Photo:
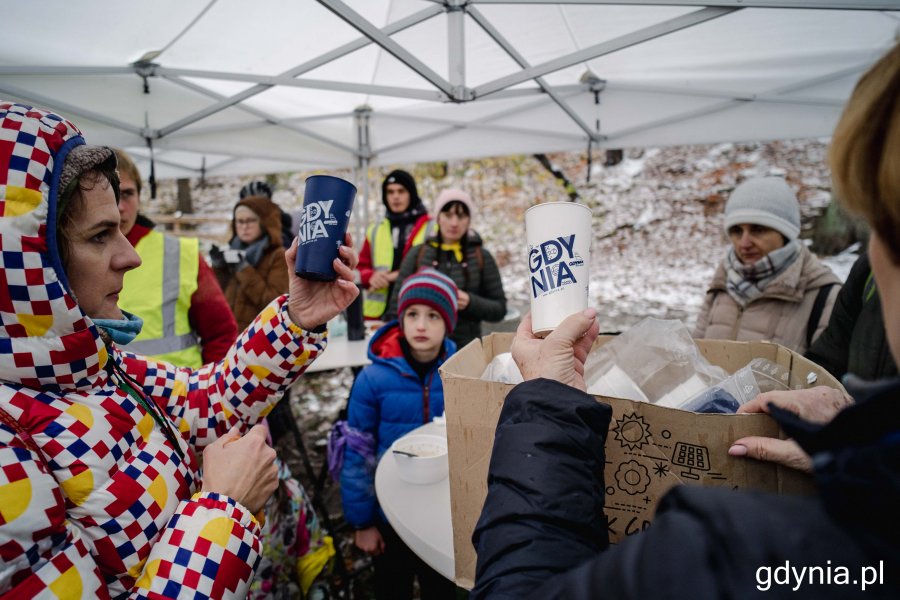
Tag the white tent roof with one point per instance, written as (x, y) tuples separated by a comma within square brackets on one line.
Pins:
[(250, 87)]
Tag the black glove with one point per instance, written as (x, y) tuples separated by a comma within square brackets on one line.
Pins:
[(216, 257)]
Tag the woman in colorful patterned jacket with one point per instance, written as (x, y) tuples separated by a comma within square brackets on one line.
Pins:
[(100, 485)]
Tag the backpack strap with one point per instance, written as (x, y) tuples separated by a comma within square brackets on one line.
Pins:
[(419, 256), (816, 314), (26, 439), (869, 288)]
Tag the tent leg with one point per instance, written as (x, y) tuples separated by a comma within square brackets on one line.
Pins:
[(363, 154)]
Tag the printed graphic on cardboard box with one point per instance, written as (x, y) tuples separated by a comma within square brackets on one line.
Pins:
[(649, 448)]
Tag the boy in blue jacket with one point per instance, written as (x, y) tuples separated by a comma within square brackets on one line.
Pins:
[(400, 391)]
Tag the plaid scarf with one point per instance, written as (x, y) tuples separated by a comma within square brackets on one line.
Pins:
[(746, 282)]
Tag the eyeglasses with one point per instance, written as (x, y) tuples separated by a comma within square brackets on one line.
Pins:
[(242, 222)]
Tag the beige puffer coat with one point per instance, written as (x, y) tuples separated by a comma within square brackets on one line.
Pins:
[(780, 315)]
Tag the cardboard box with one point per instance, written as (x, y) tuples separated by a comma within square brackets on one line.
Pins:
[(648, 450)]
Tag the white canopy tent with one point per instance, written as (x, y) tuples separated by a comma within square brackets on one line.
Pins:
[(231, 87)]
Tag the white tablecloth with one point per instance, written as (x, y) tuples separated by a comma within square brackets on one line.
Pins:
[(420, 514), (340, 353)]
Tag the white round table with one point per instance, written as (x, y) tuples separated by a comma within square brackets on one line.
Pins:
[(420, 514)]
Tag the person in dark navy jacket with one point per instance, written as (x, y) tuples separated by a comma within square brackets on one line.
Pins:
[(542, 532)]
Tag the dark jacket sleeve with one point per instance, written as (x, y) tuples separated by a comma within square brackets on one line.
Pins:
[(211, 317), (407, 268), (832, 348), (544, 508), (541, 534), (489, 303)]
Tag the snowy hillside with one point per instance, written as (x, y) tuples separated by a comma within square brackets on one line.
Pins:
[(657, 215)]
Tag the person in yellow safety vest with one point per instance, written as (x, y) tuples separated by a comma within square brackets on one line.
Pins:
[(406, 224), (187, 320)]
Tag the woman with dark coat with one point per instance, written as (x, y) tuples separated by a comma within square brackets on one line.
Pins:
[(252, 271), (457, 251), (542, 532)]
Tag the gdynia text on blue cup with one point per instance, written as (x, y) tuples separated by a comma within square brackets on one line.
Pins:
[(315, 216)]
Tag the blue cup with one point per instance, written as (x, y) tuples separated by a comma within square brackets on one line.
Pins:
[(327, 206)]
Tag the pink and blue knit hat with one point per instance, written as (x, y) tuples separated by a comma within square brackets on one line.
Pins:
[(433, 289)]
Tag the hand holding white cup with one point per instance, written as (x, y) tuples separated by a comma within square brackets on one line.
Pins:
[(558, 236)]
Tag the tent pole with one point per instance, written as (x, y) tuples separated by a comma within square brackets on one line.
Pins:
[(363, 154), (456, 46)]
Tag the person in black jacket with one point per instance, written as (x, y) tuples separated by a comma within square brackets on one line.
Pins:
[(542, 532), (854, 341), (457, 251)]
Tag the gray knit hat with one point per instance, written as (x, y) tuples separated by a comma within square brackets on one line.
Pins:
[(82, 159), (766, 201)]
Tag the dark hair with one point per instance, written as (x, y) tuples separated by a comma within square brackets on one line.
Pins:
[(455, 206), (70, 205)]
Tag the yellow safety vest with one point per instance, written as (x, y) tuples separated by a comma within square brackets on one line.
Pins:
[(382, 249), (159, 292)]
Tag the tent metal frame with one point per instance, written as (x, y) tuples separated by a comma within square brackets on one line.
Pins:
[(439, 89)]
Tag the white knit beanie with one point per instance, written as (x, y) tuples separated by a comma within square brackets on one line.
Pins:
[(766, 201)]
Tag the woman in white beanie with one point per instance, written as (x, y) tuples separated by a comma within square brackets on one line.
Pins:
[(456, 250), (769, 286)]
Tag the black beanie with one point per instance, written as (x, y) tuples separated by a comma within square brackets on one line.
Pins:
[(404, 179)]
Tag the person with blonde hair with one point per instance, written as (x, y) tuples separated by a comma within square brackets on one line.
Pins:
[(542, 532)]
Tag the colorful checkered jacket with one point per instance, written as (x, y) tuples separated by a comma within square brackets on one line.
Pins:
[(98, 503)]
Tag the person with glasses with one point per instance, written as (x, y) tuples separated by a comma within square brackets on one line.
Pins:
[(252, 270)]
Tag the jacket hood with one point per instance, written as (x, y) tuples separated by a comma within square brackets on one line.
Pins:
[(269, 217), (385, 348), (46, 340)]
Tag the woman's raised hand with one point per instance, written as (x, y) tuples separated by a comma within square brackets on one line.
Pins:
[(314, 303), (561, 354), (241, 467)]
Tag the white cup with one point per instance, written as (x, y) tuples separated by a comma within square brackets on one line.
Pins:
[(233, 256), (558, 235)]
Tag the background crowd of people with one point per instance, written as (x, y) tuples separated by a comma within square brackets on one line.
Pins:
[(126, 356)]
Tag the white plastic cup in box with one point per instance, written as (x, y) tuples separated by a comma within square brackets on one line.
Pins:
[(558, 238), (430, 466)]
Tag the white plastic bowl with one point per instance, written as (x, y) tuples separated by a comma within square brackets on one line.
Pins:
[(430, 466)]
